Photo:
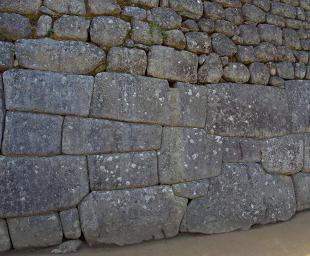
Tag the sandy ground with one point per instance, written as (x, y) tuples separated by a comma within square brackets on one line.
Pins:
[(284, 239)]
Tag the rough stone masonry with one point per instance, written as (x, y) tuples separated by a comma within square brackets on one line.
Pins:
[(125, 121)]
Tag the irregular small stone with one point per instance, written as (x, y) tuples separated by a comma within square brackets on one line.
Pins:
[(234, 15), (293, 24), (71, 28), (249, 34), (121, 171), (189, 25), (175, 39), (270, 33), (59, 56), (225, 27), (285, 54), (253, 14), (300, 13), (109, 31), (223, 45), (192, 9), (300, 70), (200, 154), (265, 52), (26, 7), (198, 42), (112, 217), (206, 25), (5, 241), (275, 20), (276, 81), (26, 192), (302, 190), (70, 222), (44, 25), (107, 7), (229, 3), (291, 38), (74, 7), (127, 60), (283, 9), (285, 70), (167, 63), (212, 69), (236, 72), (263, 4), (14, 26), (6, 55), (94, 136), (245, 54), (164, 17), (35, 231), (283, 155), (213, 10), (305, 4), (192, 189), (301, 57), (70, 246), (134, 12), (259, 73), (142, 32)]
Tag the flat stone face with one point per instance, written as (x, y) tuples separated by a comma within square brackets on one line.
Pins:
[(283, 155), (167, 63), (6, 55), (22, 7), (48, 92), (247, 110), (70, 222), (192, 9), (188, 154), (94, 136), (143, 33), (59, 56), (192, 189), (166, 18), (31, 134), (302, 190), (33, 185), (120, 171), (131, 216), (241, 197), (75, 7), (36, 231), (5, 241), (14, 26), (298, 96)]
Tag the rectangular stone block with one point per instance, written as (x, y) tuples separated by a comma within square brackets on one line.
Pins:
[(298, 96), (126, 170), (95, 136), (32, 134), (167, 63), (188, 154), (131, 216), (47, 92), (70, 222), (247, 111), (36, 231), (302, 190), (34, 185)]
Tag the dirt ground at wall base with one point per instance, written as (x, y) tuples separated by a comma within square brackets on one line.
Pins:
[(290, 238)]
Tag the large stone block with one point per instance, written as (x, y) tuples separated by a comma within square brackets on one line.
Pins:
[(95, 136), (126, 170), (242, 196), (59, 56), (167, 63), (6, 55), (5, 241), (33, 185), (247, 110), (47, 92), (36, 231), (31, 134), (283, 155), (188, 154), (14, 26), (302, 190), (191, 189), (75, 7), (298, 96), (131, 216), (27, 7)]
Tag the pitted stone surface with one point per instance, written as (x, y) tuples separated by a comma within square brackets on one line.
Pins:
[(166, 18), (59, 56), (5, 241), (6, 55), (22, 7), (14, 26), (143, 33), (107, 7), (302, 189), (192, 189), (70, 222), (47, 92), (93, 136), (141, 214), (33, 185), (75, 7), (188, 154), (120, 171), (247, 110), (192, 9), (212, 69), (36, 231)]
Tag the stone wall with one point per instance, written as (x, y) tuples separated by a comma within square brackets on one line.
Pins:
[(124, 121)]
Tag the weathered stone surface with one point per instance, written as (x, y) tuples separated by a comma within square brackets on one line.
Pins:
[(283, 9), (27, 7), (189, 26), (175, 39), (263, 4), (164, 17), (285, 70), (305, 45), (245, 54), (300, 70), (206, 25), (188, 154), (144, 3), (6, 55), (236, 72), (25, 189), (225, 27), (247, 110), (283, 155), (259, 73), (291, 38), (70, 246), (41, 91), (253, 14), (229, 3), (270, 33), (120, 171), (285, 54), (265, 52), (31, 134), (306, 152), (107, 7), (298, 96), (134, 12), (167, 63), (131, 216), (109, 31), (275, 20), (133, 61), (223, 45), (44, 25), (234, 15), (198, 42), (36, 231), (212, 69), (142, 32), (75, 7), (213, 10), (241, 197), (14, 26), (192, 189), (94, 136), (249, 34), (70, 222), (59, 56), (276, 81), (192, 9), (5, 241), (71, 28), (302, 190)]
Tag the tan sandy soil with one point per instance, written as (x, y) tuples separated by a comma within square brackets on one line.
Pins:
[(284, 239)]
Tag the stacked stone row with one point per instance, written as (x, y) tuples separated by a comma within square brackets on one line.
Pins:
[(114, 125)]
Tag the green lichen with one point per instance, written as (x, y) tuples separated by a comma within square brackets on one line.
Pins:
[(155, 27)]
